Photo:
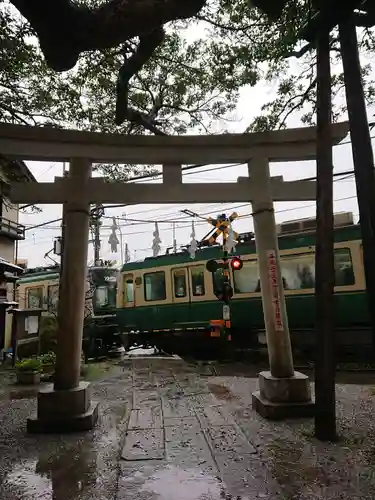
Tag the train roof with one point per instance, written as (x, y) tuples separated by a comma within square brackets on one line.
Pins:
[(289, 241), (50, 273)]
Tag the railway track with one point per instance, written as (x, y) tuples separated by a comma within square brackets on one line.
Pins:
[(355, 353)]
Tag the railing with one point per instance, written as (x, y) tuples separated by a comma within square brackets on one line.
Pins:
[(12, 230)]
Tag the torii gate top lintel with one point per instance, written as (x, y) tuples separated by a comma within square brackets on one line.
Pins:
[(52, 144)]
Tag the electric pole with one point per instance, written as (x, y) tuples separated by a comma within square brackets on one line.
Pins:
[(363, 158), (63, 219), (325, 401), (174, 238), (97, 237), (96, 214), (62, 241)]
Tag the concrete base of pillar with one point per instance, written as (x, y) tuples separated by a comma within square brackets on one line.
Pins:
[(280, 398), (64, 411)]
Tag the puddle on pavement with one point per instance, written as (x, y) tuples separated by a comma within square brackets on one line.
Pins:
[(58, 477), (19, 393), (191, 484), (291, 468), (222, 392)]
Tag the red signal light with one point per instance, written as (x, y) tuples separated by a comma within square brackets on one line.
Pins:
[(236, 263)]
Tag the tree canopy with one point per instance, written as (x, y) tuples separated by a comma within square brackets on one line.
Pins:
[(191, 81)]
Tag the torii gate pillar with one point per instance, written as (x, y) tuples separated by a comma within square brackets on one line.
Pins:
[(282, 391), (67, 405)]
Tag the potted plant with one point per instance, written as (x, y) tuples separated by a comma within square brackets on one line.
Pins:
[(48, 361), (28, 371)]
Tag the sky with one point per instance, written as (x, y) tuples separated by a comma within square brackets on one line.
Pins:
[(138, 235)]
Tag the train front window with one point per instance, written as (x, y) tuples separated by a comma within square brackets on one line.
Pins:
[(101, 296), (53, 297), (35, 298)]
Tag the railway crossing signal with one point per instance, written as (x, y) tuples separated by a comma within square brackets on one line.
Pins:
[(221, 227), (226, 292), (234, 262)]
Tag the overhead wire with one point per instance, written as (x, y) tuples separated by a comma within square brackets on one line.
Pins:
[(132, 221)]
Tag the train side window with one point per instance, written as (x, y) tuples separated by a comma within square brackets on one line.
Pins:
[(197, 280), (155, 286), (34, 297), (179, 282), (246, 280), (298, 271), (344, 273), (52, 297), (129, 288)]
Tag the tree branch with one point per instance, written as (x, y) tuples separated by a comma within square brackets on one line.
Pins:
[(147, 45), (66, 29)]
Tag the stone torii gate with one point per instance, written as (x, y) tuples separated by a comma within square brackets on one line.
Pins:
[(67, 405)]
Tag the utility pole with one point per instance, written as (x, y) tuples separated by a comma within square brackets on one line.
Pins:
[(363, 158), (96, 214), (325, 402), (97, 235), (62, 245), (174, 238), (63, 223)]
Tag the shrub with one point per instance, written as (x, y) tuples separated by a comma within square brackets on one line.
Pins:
[(48, 358), (29, 365), (48, 334)]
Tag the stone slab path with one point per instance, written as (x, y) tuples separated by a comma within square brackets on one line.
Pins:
[(173, 431)]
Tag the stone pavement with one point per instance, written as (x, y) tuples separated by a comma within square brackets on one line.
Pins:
[(169, 431)]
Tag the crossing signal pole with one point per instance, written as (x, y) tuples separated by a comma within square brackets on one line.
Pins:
[(226, 293)]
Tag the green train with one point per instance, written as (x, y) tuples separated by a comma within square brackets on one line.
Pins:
[(169, 301), (39, 288)]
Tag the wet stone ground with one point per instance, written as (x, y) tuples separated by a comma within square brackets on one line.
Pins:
[(173, 431)]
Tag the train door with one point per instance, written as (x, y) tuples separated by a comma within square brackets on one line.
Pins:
[(181, 295)]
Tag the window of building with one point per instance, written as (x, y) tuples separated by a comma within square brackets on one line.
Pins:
[(155, 286), (53, 297), (35, 297), (197, 280), (179, 281)]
